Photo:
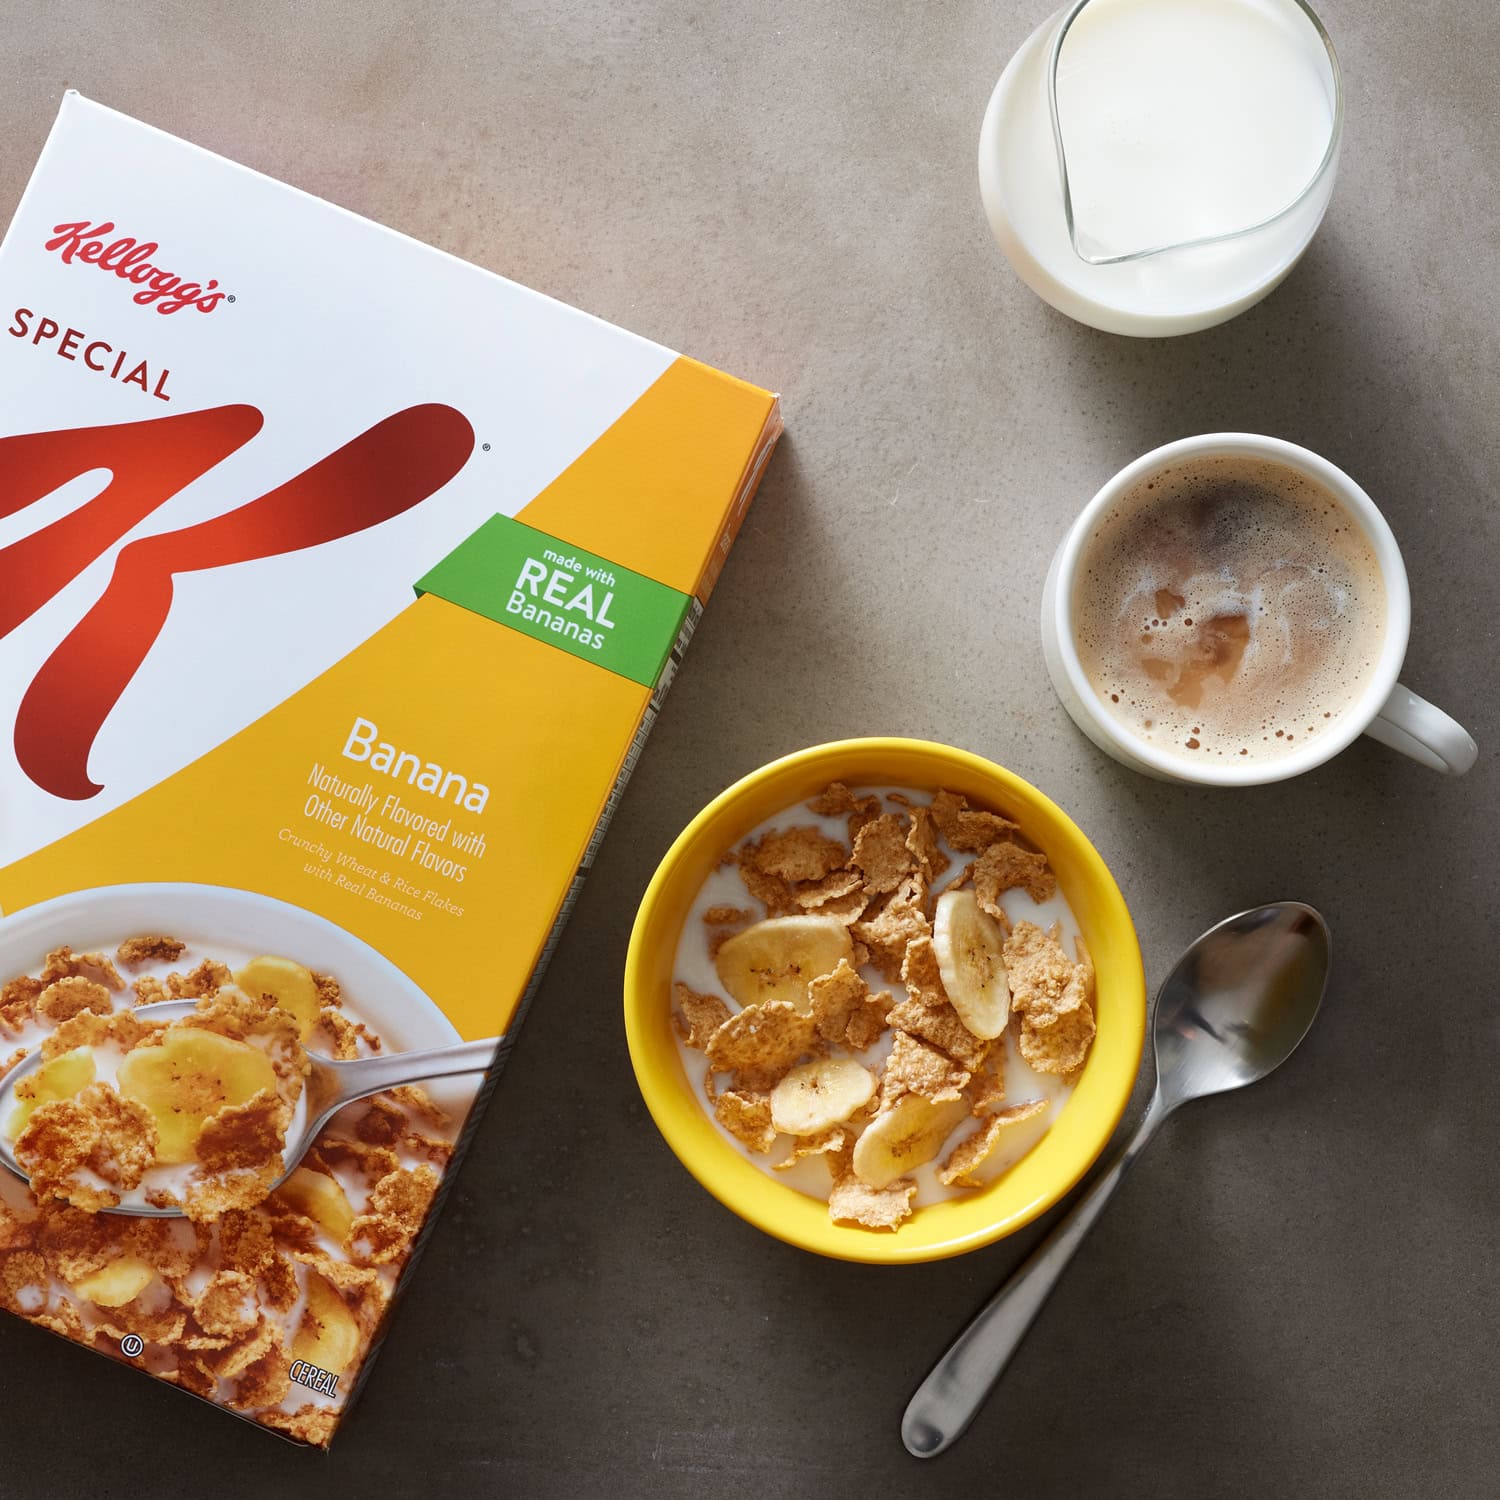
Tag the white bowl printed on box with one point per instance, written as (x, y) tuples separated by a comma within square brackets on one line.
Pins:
[(235, 926)]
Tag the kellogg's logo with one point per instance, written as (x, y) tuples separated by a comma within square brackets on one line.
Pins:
[(130, 260)]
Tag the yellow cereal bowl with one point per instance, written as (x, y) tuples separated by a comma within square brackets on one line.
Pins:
[(1079, 1133)]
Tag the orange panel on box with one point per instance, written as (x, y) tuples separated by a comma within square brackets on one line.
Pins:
[(541, 731), (670, 453)]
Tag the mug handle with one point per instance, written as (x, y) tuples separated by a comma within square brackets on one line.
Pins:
[(1423, 731)]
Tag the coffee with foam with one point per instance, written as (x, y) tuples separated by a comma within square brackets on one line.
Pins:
[(1228, 607)]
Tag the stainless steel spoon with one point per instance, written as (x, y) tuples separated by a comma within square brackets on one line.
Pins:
[(331, 1084), (1233, 1010)]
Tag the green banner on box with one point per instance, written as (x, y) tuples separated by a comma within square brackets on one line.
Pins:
[(575, 600)]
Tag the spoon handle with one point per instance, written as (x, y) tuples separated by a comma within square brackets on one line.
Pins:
[(949, 1399), (373, 1075)]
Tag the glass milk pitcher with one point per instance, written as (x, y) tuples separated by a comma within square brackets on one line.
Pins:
[(1157, 166)]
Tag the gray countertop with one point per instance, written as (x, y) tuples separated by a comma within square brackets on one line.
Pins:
[(1295, 1292)]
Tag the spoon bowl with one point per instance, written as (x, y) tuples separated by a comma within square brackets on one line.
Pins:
[(1239, 1001), (1233, 1010), (331, 1083)]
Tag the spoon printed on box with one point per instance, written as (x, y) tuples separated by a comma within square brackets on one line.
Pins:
[(331, 1083)]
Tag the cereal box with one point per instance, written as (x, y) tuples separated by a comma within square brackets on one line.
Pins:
[(340, 583)]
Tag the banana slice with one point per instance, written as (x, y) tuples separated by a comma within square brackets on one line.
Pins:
[(970, 951), (192, 1075), (819, 1094), (117, 1283), (909, 1133), (61, 1078), (289, 984), (328, 1335), (777, 959), (321, 1199)]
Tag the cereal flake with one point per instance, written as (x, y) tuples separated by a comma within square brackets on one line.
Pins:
[(308, 1424), (225, 1308), (762, 1039), (833, 1139), (922, 841), (1045, 984), (1061, 1047), (95, 1132), (774, 893), (433, 1148), (837, 800), (414, 1097), (851, 1201), (63, 963), (64, 998), (245, 1242), (134, 952), (341, 1033), (795, 854), (330, 992), (728, 916), (245, 1135), (697, 1016), (969, 830), (266, 1382), (975, 1149), (1004, 866), (385, 1231), (880, 852), (149, 990), (940, 1026), (1052, 995), (90, 1029), (835, 998), (747, 1117), (814, 895), (915, 1067), (18, 1000), (382, 1124), (894, 926), (279, 1287), (207, 979)]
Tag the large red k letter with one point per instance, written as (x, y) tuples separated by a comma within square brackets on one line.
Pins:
[(380, 474), (148, 462)]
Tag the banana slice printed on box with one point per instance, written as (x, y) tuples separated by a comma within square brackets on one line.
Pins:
[(67, 1074), (188, 1079)]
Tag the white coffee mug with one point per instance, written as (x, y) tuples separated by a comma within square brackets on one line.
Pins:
[(1385, 710)]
